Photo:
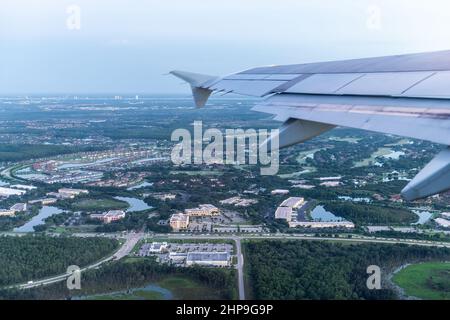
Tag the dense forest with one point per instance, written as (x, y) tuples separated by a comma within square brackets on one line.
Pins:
[(19, 152), (33, 257), (321, 270), (411, 235), (362, 214), (124, 275)]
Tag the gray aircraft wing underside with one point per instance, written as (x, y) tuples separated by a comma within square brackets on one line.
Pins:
[(407, 95), (412, 118)]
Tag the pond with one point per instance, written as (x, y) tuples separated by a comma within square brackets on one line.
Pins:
[(149, 292), (424, 216), (134, 203), (320, 214), (44, 213)]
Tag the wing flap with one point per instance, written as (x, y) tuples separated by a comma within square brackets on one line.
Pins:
[(405, 117), (433, 179)]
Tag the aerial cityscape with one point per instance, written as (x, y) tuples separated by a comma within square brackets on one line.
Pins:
[(115, 181), (124, 178)]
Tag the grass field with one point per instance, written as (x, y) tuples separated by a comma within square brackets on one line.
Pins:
[(369, 161), (430, 281), (304, 155), (99, 204), (59, 230), (149, 295)]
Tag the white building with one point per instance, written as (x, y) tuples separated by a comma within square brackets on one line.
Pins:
[(279, 191), (7, 213), (232, 200), (44, 201), (331, 184), (304, 186), (177, 257), (373, 229), (445, 214), (286, 208), (110, 216), (48, 201), (246, 202), (179, 221), (23, 187), (329, 178), (443, 222), (61, 195), (284, 213), (6, 192), (73, 192), (216, 259), (158, 247), (239, 202), (164, 196), (19, 207), (203, 210), (293, 202)]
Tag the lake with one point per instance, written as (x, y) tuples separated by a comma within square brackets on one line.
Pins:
[(44, 213), (424, 216), (134, 203), (320, 214)]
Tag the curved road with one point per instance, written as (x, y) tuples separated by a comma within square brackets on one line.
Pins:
[(133, 238)]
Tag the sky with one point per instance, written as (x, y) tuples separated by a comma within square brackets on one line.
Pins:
[(127, 46)]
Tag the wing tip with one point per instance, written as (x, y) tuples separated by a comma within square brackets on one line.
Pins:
[(196, 80)]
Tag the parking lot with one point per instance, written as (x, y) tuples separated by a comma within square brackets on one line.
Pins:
[(176, 253)]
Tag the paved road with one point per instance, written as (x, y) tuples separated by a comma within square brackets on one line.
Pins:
[(240, 257), (127, 247), (240, 268), (131, 240), (355, 239)]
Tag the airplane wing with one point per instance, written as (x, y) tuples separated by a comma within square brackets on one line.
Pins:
[(406, 95)]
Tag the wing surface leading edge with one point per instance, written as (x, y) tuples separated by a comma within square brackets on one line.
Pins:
[(406, 95)]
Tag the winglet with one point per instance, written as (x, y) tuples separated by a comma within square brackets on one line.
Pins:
[(196, 81)]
